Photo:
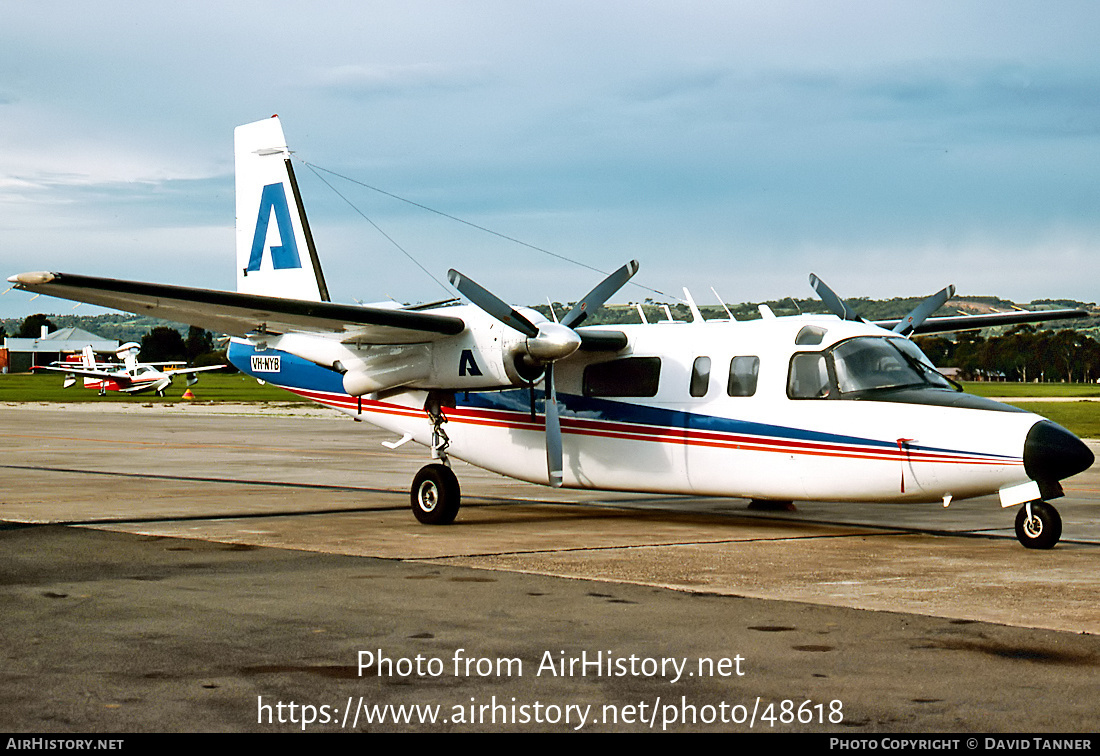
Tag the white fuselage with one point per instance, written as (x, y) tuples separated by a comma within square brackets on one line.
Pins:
[(766, 445)]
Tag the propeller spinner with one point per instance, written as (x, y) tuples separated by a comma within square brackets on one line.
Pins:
[(547, 342)]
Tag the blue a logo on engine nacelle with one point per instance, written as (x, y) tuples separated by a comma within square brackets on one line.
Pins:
[(285, 255)]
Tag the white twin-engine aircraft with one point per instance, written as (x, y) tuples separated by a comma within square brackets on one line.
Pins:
[(813, 407), (129, 376)]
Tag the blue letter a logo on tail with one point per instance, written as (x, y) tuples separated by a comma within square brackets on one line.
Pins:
[(273, 200)]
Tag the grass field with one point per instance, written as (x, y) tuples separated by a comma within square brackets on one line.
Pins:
[(23, 387), (1033, 390), (1083, 418)]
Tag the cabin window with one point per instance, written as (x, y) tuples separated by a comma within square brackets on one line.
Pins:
[(633, 376), (700, 376), (809, 376), (810, 336), (743, 375)]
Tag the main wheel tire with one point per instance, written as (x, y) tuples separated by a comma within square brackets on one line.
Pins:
[(435, 495), (1040, 531)]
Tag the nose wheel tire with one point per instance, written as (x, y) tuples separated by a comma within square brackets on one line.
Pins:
[(435, 495), (1038, 525)]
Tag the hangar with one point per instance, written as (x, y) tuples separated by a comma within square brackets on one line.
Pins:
[(19, 355)]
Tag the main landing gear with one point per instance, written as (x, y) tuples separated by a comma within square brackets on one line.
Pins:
[(435, 494), (1038, 525)]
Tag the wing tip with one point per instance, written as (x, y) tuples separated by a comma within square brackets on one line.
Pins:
[(33, 278)]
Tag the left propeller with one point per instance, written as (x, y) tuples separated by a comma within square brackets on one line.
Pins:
[(547, 342)]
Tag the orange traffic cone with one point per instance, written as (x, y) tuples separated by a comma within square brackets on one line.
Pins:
[(188, 395)]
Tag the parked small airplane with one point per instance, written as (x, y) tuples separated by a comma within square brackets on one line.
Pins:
[(129, 377), (814, 407)]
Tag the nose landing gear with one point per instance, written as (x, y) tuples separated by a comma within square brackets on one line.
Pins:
[(1038, 525)]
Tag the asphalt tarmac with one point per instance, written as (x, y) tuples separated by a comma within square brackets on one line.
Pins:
[(189, 568)]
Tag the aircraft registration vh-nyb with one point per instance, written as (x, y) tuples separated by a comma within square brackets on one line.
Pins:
[(809, 407)]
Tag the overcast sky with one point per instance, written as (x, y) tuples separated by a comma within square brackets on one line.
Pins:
[(890, 147)]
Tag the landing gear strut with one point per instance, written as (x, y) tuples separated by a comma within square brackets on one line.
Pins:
[(435, 494), (1038, 525)]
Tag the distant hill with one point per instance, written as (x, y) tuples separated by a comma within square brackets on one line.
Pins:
[(119, 326)]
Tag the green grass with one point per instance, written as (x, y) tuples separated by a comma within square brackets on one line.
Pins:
[(22, 387), (1032, 390), (1081, 418)]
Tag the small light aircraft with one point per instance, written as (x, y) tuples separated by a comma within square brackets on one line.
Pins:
[(814, 407), (129, 377)]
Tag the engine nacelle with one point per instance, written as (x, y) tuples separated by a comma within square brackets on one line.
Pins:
[(487, 354), (387, 367)]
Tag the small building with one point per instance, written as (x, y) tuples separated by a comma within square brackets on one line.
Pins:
[(23, 354)]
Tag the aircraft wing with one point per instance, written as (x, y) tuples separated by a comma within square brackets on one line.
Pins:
[(85, 373), (187, 371), (973, 322), (240, 314)]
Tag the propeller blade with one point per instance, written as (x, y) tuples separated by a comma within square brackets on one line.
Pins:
[(594, 299), (489, 302), (553, 431), (835, 304), (547, 343), (921, 312)]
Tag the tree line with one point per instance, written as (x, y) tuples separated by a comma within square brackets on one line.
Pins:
[(1022, 354)]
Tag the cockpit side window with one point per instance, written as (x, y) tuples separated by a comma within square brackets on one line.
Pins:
[(809, 376)]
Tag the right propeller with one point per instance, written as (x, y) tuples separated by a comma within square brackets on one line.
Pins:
[(547, 342), (905, 326)]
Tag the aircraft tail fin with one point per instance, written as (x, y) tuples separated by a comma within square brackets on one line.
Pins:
[(275, 252), (87, 358)]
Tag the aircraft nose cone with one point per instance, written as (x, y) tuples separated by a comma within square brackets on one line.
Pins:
[(1052, 453)]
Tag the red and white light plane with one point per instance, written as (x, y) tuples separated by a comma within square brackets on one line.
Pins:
[(129, 377)]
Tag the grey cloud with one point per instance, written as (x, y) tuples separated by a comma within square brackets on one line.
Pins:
[(364, 80)]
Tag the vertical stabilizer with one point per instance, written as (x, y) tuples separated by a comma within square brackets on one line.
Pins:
[(275, 253)]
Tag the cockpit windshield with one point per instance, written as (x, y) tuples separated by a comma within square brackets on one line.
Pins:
[(863, 364)]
